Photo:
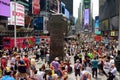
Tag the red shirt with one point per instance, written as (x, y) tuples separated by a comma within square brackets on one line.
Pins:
[(3, 63), (27, 62)]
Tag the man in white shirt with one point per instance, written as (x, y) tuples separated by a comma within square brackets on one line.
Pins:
[(40, 75), (112, 60), (113, 72)]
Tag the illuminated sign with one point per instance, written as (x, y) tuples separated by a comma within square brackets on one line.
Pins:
[(19, 13)]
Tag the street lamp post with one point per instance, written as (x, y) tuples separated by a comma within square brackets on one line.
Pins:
[(15, 44)]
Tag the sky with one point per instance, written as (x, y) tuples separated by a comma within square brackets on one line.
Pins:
[(95, 7)]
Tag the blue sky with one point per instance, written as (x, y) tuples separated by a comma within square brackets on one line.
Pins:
[(95, 7)]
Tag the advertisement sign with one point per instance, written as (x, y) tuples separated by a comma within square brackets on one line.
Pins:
[(86, 19), (5, 8), (67, 14), (22, 42), (112, 33), (38, 23), (19, 13), (36, 7), (87, 4), (96, 24)]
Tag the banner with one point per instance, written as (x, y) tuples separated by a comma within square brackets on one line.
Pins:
[(19, 13), (96, 25), (36, 7), (38, 23), (86, 19)]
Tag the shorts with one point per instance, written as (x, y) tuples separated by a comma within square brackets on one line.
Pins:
[(77, 72), (19, 75)]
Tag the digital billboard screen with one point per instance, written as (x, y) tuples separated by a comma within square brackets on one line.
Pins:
[(38, 23), (5, 8), (86, 19), (96, 24), (36, 7)]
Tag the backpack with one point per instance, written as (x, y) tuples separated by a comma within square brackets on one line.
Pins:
[(77, 66)]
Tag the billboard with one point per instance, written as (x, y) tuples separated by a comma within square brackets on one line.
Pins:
[(86, 19), (87, 4), (5, 8), (96, 24), (67, 14), (64, 10), (19, 13), (36, 7), (38, 23)]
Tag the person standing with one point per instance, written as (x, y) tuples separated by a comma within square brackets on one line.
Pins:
[(94, 64), (77, 68), (27, 62), (112, 73), (33, 65), (48, 58), (39, 74), (55, 64), (4, 62), (21, 70)]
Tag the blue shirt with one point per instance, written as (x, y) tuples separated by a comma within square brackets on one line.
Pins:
[(94, 63), (7, 77)]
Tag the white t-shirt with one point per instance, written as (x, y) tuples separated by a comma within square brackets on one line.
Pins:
[(114, 71), (12, 60), (107, 65), (40, 75)]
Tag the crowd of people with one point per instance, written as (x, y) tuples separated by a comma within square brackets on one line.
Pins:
[(95, 58), (90, 59)]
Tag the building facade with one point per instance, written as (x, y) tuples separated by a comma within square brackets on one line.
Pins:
[(109, 17)]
